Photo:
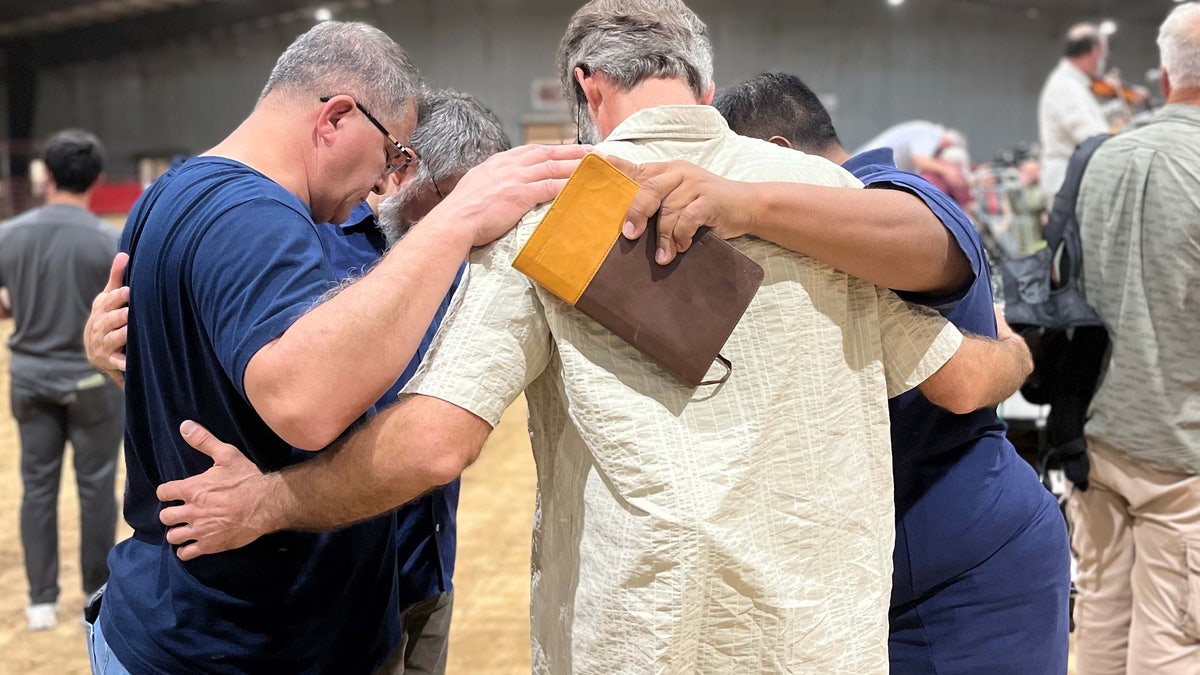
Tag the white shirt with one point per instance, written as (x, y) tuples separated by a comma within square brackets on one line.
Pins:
[(1068, 114), (742, 528), (907, 141)]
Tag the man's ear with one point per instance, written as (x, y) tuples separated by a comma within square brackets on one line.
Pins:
[(1164, 83), (335, 111), (589, 88), (781, 142), (400, 180), (707, 98)]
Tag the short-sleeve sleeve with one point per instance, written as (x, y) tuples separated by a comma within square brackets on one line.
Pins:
[(955, 221), (494, 340), (259, 267), (916, 342)]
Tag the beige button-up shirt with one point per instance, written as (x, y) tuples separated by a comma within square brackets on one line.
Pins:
[(743, 528), (1068, 114)]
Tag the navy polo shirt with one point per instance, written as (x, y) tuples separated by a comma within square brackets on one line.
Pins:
[(426, 530), (224, 260), (961, 489)]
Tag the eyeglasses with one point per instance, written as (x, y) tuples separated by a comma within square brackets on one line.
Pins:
[(407, 155), (438, 190)]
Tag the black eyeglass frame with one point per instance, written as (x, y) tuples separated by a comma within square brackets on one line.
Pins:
[(408, 154)]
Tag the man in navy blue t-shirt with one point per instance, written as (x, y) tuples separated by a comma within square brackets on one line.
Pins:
[(223, 327)]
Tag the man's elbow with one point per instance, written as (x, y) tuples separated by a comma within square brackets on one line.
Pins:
[(957, 392), (301, 428), (447, 468), (960, 401), (449, 461)]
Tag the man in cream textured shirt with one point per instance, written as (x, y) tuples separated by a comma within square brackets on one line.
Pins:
[(744, 527), (1068, 112)]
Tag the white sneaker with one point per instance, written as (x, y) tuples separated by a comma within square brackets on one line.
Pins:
[(43, 616)]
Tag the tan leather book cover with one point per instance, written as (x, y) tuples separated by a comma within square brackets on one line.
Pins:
[(680, 315)]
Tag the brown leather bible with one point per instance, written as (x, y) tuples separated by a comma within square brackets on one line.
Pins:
[(679, 315)]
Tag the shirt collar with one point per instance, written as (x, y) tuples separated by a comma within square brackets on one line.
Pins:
[(361, 214), (1184, 112), (700, 122), (875, 157)]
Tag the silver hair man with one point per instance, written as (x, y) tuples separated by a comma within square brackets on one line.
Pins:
[(1179, 44), (630, 42), (332, 57), (454, 133)]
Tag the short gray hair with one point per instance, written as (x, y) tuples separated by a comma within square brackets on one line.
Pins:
[(454, 134), (354, 58), (634, 40), (1179, 45)]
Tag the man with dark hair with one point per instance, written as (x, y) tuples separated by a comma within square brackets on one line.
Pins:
[(53, 259), (1068, 112), (759, 107), (1082, 41), (981, 549)]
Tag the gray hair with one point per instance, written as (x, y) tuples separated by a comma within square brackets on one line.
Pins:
[(454, 134), (337, 57), (1179, 45), (631, 41)]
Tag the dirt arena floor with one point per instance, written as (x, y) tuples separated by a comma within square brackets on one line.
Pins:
[(490, 630)]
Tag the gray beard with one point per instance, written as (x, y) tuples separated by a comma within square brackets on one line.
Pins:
[(586, 129), (392, 222)]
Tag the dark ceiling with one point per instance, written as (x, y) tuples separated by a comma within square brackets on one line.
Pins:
[(59, 31)]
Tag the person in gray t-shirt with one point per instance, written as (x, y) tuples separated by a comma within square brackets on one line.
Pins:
[(53, 261)]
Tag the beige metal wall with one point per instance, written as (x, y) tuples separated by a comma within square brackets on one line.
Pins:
[(965, 64)]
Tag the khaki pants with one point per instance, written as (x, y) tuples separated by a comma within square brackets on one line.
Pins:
[(1136, 535), (424, 642)]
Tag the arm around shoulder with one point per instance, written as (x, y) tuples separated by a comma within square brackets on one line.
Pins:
[(410, 448)]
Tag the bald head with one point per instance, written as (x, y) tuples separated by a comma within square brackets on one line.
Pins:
[(1087, 48), (1082, 39), (1179, 45)]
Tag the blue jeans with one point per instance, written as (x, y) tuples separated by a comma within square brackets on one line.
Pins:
[(100, 657)]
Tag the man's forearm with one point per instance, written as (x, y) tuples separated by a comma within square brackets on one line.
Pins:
[(334, 362), (399, 455), (981, 374), (1011, 366), (338, 359), (887, 237)]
